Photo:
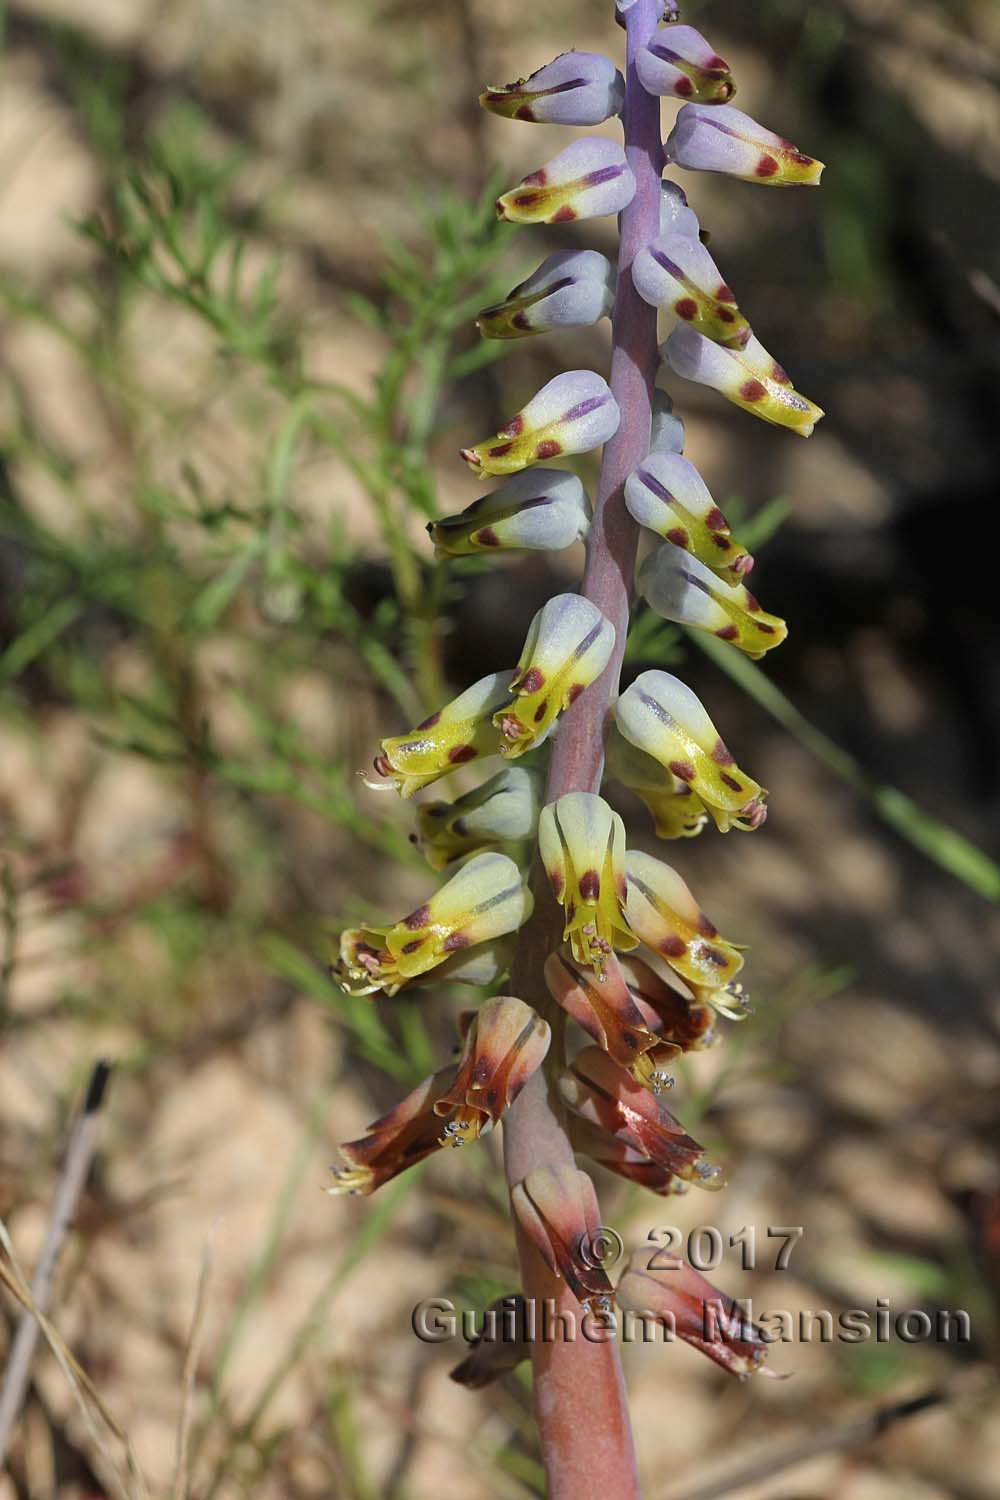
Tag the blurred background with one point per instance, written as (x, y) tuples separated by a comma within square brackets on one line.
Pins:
[(241, 251)]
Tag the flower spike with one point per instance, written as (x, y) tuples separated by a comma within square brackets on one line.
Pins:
[(505, 1044), (748, 377), (680, 63), (677, 812), (568, 645), (539, 510), (459, 732), (484, 899), (667, 494), (573, 413), (726, 140), (582, 845), (692, 1309), (606, 1010), (589, 179), (680, 588), (576, 88), (677, 272), (664, 915), (662, 716), (501, 811), (571, 289), (557, 1209), (406, 1135)]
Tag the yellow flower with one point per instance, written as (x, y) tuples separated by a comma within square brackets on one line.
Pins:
[(568, 645), (582, 844)]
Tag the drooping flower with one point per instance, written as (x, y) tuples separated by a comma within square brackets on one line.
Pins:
[(500, 1345), (607, 1097), (589, 179), (675, 215), (506, 1042), (538, 510), (692, 1309), (573, 413), (748, 377), (503, 810), (615, 1156), (677, 812), (664, 915), (568, 645), (676, 272), (557, 1209), (680, 588), (461, 731), (679, 62), (662, 716), (406, 1135), (571, 289), (666, 433), (484, 899), (582, 846), (687, 1024), (724, 139), (668, 495), (576, 88), (604, 1007)]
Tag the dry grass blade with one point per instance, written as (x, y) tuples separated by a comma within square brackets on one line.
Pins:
[(192, 1354)]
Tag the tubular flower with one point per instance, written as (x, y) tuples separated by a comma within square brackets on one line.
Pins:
[(676, 810), (663, 717), (459, 732), (667, 429), (748, 377), (612, 1154), (406, 1135), (539, 510), (726, 140), (501, 811), (675, 215), (582, 845), (680, 62), (556, 1207), (668, 495), (484, 899), (576, 88), (606, 1097), (505, 1044), (589, 179), (688, 1024), (568, 645), (664, 915), (692, 1309), (572, 414), (680, 588), (676, 272), (571, 289), (607, 1012)]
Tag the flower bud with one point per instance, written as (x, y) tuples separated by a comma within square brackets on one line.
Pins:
[(499, 1348), (568, 645), (606, 1097), (748, 377), (501, 811), (687, 1024), (679, 62), (677, 272), (606, 1010), (587, 180), (406, 1135), (666, 433), (692, 1309), (504, 1045), (667, 494), (615, 1156), (537, 510), (484, 899), (556, 1207), (680, 588), (459, 732), (662, 716), (571, 289), (675, 215), (664, 915), (576, 88), (726, 140), (573, 413), (677, 812), (582, 845)]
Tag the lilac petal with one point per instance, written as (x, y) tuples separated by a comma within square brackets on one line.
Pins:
[(666, 434), (539, 510), (675, 215), (675, 271), (573, 413), (571, 289), (668, 495), (680, 588), (590, 178), (748, 377), (576, 88), (724, 139), (679, 62)]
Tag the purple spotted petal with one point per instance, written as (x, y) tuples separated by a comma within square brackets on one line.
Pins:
[(571, 289), (723, 139), (576, 88), (587, 180), (748, 377), (678, 62), (676, 272)]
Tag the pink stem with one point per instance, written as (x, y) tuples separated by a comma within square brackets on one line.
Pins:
[(580, 1400)]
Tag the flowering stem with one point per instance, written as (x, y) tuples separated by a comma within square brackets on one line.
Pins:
[(580, 1399)]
